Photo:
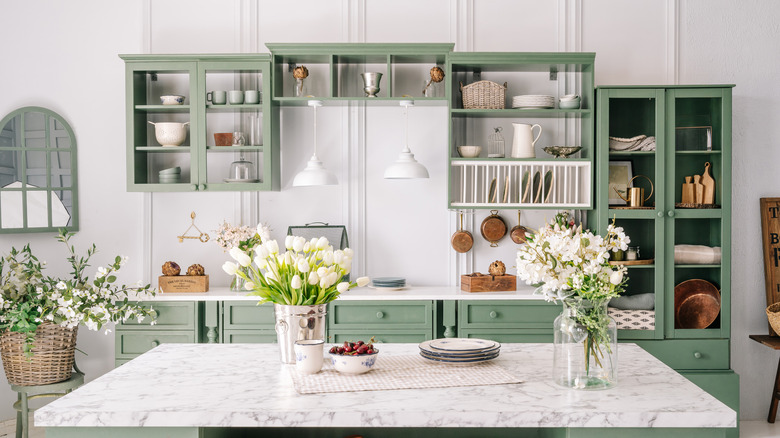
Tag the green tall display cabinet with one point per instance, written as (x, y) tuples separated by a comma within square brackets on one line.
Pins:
[(664, 139), (219, 132)]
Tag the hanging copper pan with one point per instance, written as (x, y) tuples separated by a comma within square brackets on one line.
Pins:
[(462, 240), (517, 233), (493, 228)]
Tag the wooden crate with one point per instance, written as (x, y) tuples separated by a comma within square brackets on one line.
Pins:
[(770, 231), (183, 283), (488, 283)]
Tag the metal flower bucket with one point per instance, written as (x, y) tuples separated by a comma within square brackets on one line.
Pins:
[(295, 323)]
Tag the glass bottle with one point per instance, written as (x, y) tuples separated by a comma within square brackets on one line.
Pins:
[(585, 358)]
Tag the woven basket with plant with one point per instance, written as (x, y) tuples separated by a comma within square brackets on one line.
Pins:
[(40, 315)]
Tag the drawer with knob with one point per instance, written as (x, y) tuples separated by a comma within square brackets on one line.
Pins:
[(380, 314), (690, 354), (178, 315), (380, 337), (507, 314), (133, 343)]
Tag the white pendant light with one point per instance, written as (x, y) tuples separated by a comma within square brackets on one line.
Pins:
[(406, 166), (315, 173)]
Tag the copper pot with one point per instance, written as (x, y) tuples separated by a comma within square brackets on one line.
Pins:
[(517, 233), (493, 228), (462, 240)]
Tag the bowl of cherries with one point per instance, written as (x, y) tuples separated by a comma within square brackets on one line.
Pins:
[(353, 357)]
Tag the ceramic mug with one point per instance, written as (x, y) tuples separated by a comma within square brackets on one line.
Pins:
[(308, 355), (217, 97), (235, 97), (251, 96)]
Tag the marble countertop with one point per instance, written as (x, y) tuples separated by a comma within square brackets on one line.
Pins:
[(523, 292), (245, 385)]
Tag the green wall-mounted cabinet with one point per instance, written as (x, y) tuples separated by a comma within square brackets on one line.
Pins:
[(204, 165), (497, 180)]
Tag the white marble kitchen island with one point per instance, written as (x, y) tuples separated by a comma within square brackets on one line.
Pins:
[(201, 390)]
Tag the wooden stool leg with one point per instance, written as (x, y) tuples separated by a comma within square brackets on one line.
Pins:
[(19, 416), (775, 396), (25, 416)]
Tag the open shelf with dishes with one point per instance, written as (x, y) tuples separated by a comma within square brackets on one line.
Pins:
[(214, 102), (521, 102)]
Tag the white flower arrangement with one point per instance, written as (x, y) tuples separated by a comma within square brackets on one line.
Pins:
[(308, 273), (229, 236), (29, 299)]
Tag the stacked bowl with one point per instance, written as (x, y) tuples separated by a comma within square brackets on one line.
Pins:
[(172, 175), (388, 282)]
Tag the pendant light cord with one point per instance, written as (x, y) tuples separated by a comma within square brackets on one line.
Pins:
[(315, 131), (406, 128)]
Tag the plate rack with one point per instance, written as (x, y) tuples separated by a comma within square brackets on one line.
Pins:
[(521, 184)]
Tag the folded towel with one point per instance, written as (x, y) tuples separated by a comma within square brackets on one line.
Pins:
[(634, 302), (696, 255)]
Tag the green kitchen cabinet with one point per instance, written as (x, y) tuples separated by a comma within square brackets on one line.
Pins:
[(246, 322), (335, 72), (387, 321), (175, 322), (495, 180), (507, 320), (204, 166)]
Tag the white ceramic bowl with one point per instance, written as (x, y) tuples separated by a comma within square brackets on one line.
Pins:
[(569, 104), (469, 151), (170, 133), (359, 364), (172, 99)]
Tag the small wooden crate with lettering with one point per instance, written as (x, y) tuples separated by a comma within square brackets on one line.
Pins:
[(488, 283), (183, 283)]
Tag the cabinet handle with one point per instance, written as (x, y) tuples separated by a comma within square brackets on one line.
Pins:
[(155, 343), (670, 214), (660, 213), (493, 314), (194, 187), (380, 315), (697, 355), (202, 187)]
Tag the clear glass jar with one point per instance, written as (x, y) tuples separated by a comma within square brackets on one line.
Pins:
[(496, 144), (585, 358), (300, 87), (632, 253)]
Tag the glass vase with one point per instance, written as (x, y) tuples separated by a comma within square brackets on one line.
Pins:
[(585, 346), (237, 284), (300, 87)]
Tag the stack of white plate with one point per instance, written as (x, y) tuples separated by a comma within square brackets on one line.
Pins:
[(533, 101), (459, 350)]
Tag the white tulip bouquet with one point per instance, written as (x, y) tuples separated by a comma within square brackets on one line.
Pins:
[(308, 273)]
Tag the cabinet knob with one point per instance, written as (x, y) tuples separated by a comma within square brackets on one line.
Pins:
[(697, 355), (194, 187), (493, 314), (155, 343), (202, 187), (660, 214), (670, 214), (380, 315)]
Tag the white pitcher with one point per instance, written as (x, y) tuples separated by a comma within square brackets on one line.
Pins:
[(523, 141)]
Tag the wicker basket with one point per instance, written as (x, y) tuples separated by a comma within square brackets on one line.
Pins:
[(52, 360), (483, 95), (773, 314)]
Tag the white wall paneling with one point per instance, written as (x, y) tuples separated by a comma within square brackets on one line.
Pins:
[(397, 227)]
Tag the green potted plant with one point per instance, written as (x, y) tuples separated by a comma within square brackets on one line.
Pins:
[(40, 315)]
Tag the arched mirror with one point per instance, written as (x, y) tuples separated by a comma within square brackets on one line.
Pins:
[(38, 180)]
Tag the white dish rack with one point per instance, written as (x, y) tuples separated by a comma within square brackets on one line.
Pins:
[(568, 185)]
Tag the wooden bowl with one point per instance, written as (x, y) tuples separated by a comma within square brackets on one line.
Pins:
[(696, 304)]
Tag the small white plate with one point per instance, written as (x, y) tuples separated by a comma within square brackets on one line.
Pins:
[(462, 344)]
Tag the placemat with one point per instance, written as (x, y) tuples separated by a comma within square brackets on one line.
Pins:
[(402, 372)]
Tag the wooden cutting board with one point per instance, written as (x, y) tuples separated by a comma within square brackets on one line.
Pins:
[(709, 185)]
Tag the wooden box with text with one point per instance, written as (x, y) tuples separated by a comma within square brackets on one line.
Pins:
[(183, 283)]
